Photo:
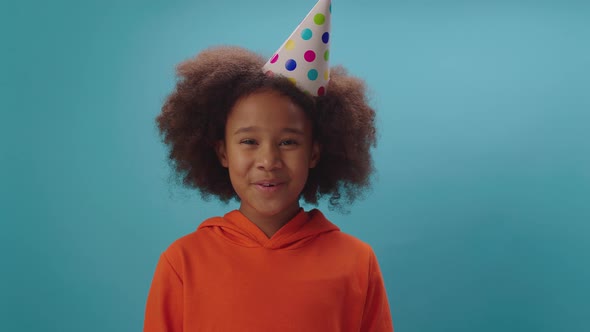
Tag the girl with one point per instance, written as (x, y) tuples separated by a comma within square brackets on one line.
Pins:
[(236, 131)]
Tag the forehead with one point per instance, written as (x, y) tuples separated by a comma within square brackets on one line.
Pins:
[(267, 109)]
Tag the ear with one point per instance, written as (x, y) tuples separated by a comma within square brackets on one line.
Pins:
[(315, 154), (221, 153)]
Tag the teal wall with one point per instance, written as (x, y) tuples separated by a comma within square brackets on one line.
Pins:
[(479, 214)]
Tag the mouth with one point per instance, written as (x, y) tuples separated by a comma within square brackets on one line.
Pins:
[(268, 186)]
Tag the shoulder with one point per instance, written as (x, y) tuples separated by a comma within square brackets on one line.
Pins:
[(180, 249), (342, 241), (350, 241)]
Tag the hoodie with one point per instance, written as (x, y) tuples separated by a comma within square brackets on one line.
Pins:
[(229, 276)]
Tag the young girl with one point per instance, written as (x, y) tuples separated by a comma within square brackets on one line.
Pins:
[(238, 131)]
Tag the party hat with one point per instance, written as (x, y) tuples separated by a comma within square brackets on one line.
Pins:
[(303, 57)]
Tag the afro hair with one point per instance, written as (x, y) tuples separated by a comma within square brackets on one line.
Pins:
[(193, 120)]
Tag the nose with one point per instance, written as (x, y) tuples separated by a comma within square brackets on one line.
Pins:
[(269, 157)]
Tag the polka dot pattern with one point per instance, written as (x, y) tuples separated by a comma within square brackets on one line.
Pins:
[(306, 34), (304, 57), (319, 19), (312, 74), (309, 56), (290, 65), (290, 45)]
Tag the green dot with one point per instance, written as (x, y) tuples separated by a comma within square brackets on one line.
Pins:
[(319, 19), (327, 55)]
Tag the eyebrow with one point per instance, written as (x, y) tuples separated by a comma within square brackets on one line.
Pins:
[(254, 128)]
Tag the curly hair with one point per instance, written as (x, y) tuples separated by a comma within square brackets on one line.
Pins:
[(194, 115)]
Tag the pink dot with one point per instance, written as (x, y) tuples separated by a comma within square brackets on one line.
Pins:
[(274, 58), (321, 91), (309, 56), (270, 73)]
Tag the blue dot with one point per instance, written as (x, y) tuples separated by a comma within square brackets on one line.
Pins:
[(290, 65), (306, 34), (312, 74), (326, 37)]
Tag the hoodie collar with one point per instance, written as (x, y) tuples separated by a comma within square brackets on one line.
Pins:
[(235, 227)]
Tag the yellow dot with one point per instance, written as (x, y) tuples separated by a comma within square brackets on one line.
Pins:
[(294, 81), (327, 75), (290, 45)]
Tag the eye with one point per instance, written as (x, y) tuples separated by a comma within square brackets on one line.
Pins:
[(288, 142), (248, 141)]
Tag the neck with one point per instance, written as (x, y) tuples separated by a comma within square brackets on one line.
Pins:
[(270, 224)]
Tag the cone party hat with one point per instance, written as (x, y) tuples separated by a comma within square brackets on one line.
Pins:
[(304, 56)]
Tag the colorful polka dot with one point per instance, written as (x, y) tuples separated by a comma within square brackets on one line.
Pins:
[(290, 45), (312, 74), (300, 58), (270, 73), (319, 19), (309, 56), (290, 65), (306, 34)]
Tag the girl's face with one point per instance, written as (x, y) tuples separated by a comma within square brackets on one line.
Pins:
[(268, 149)]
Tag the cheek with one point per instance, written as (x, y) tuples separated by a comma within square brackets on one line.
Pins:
[(238, 163)]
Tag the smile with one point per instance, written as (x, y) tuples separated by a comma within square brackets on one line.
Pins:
[(268, 186)]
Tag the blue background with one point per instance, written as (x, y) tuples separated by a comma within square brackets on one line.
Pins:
[(479, 214)]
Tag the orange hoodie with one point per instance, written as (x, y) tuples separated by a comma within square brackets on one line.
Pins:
[(229, 276)]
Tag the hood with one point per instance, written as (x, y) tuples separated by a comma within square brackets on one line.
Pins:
[(304, 227)]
